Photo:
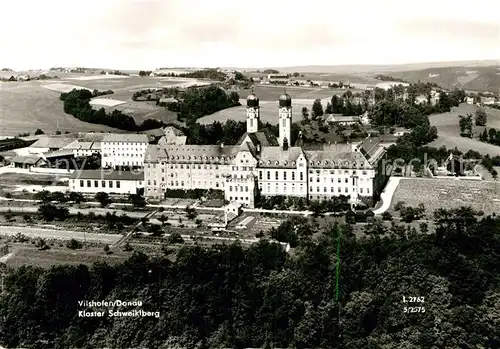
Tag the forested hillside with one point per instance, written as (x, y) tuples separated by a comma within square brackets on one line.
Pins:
[(263, 297)]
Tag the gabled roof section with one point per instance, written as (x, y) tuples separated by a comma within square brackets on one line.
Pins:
[(276, 157), (52, 142), (264, 137), (126, 137)]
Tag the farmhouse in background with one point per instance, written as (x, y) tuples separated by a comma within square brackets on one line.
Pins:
[(342, 119), (27, 162)]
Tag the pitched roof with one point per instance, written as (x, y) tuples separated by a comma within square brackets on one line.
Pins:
[(30, 160), (276, 157), (52, 142), (126, 137), (345, 158), (108, 175), (157, 132), (264, 137), (342, 118), (171, 129), (191, 153), (57, 153)]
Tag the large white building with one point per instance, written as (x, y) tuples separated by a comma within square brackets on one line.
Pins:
[(111, 182), (123, 150), (260, 163)]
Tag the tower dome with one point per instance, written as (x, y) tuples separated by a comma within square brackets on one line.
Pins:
[(285, 100), (252, 100)]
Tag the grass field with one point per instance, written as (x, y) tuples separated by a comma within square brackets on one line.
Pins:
[(448, 193), (61, 255), (449, 130)]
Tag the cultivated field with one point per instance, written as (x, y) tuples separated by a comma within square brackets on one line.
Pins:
[(449, 130), (27, 106), (106, 102), (448, 193), (63, 88)]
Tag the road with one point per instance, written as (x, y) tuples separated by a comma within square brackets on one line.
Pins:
[(122, 240), (58, 234)]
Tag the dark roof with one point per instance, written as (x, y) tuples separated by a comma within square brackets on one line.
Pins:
[(109, 175), (264, 137)]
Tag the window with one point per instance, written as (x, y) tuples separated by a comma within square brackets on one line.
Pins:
[(324, 189), (310, 179), (284, 176), (361, 190), (230, 188), (331, 189), (347, 180), (236, 188), (317, 189), (268, 174), (246, 188), (118, 184), (251, 122), (276, 175), (81, 183), (301, 176), (154, 182), (96, 184), (260, 174), (293, 176), (111, 184), (88, 184), (284, 122), (103, 184), (368, 190), (311, 189), (346, 190)]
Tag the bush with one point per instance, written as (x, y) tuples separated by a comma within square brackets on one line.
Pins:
[(74, 244), (387, 216)]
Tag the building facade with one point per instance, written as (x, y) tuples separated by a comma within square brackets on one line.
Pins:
[(258, 164), (111, 182), (123, 150)]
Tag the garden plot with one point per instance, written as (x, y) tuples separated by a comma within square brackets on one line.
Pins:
[(448, 193)]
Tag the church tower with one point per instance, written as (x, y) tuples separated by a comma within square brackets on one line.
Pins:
[(253, 113), (285, 119)]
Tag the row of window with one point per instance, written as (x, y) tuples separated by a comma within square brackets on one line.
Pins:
[(140, 144), (103, 184), (332, 172), (123, 163), (236, 188), (241, 198), (276, 175), (339, 190), (176, 183)]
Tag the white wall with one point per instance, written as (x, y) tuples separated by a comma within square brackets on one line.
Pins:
[(126, 186)]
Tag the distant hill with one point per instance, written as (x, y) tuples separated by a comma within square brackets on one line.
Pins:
[(469, 78), (367, 68)]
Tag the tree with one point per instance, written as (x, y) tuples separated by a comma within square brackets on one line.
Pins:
[(317, 108), (481, 117), (386, 216), (76, 197), (39, 132), (155, 230), (175, 238), (305, 114), (103, 199), (465, 123), (74, 244), (50, 212), (137, 200), (163, 218), (106, 248)]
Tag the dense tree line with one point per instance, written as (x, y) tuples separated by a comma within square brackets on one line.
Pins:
[(490, 135), (198, 102), (382, 77), (209, 74), (261, 296)]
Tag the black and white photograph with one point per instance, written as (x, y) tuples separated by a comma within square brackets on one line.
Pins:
[(250, 174)]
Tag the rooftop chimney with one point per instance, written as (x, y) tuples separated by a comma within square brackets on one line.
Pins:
[(258, 148)]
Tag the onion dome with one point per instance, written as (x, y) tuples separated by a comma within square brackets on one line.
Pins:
[(252, 101), (285, 100)]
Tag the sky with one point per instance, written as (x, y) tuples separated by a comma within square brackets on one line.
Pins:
[(148, 34)]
